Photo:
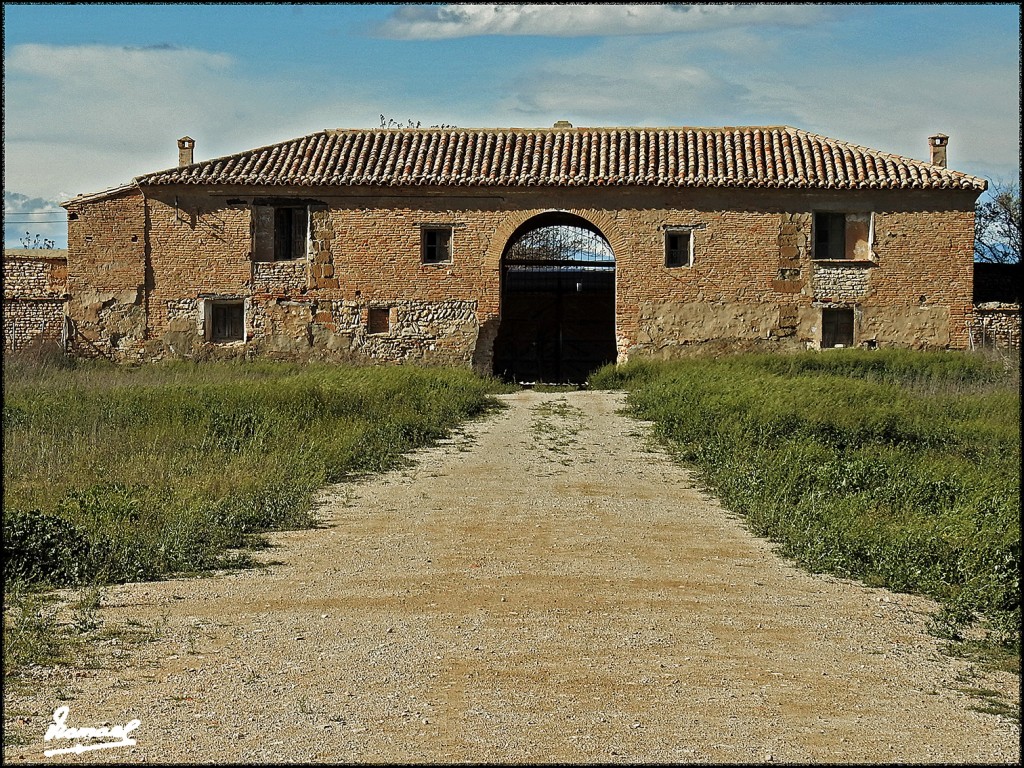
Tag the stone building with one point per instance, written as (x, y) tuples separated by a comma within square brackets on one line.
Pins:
[(535, 254), (35, 294)]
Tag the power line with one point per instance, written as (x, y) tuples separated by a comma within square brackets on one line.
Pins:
[(35, 221)]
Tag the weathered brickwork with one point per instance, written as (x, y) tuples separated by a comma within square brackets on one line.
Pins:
[(35, 290), (388, 246), (107, 273), (753, 279)]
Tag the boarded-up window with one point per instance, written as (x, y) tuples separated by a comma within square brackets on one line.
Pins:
[(678, 248), (836, 327), (227, 321), (842, 235), (378, 320)]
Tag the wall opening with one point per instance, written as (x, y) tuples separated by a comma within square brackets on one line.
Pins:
[(557, 302), (378, 320), (225, 321), (836, 328)]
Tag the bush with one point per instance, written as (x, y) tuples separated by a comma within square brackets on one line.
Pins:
[(41, 547)]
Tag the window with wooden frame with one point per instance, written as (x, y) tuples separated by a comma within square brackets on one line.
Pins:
[(225, 320), (840, 236), (678, 248), (836, 327), (436, 244), (280, 232)]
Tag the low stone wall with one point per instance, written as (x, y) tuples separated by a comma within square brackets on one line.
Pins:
[(996, 325), (28, 322), (35, 292)]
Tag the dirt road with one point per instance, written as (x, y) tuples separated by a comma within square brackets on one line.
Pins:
[(544, 587)]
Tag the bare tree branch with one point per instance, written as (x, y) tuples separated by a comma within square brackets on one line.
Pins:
[(997, 224)]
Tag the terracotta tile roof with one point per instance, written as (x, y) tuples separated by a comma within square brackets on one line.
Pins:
[(772, 157)]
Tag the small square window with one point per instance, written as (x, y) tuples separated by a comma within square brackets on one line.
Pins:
[(836, 328), (437, 245), (227, 322), (378, 320), (679, 248)]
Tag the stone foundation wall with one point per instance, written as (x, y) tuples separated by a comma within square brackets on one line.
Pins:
[(35, 292), (996, 325)]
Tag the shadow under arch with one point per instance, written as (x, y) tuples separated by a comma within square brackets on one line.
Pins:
[(557, 301)]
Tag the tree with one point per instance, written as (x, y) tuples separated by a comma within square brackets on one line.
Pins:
[(997, 225)]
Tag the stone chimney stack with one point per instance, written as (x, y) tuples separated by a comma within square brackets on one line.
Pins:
[(185, 146), (938, 144)]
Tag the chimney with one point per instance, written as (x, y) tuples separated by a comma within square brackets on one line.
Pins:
[(562, 124), (185, 146), (938, 144)]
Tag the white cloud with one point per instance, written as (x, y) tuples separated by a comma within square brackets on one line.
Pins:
[(29, 222), (892, 104), (84, 118), (413, 22)]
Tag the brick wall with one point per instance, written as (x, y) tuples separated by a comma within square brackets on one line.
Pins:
[(35, 290), (107, 274), (752, 282)]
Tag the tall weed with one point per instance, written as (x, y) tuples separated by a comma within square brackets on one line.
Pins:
[(115, 474), (899, 468)]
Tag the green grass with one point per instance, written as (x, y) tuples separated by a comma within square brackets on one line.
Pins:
[(117, 474), (898, 468)]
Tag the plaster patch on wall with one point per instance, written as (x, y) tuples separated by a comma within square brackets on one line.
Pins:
[(919, 327), (665, 325)]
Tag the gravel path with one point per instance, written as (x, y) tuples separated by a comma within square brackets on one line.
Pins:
[(545, 586)]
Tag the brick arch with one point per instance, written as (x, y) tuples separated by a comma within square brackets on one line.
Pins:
[(499, 240), (501, 346)]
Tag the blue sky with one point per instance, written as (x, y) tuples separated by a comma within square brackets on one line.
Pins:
[(97, 94)]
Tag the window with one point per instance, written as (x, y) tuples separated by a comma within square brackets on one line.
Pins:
[(378, 320), (842, 235), (679, 248), (280, 233), (836, 328), (437, 245), (290, 229), (225, 321)]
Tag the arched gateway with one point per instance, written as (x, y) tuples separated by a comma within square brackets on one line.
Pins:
[(557, 301)]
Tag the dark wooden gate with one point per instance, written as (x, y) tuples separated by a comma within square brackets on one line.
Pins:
[(558, 307)]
